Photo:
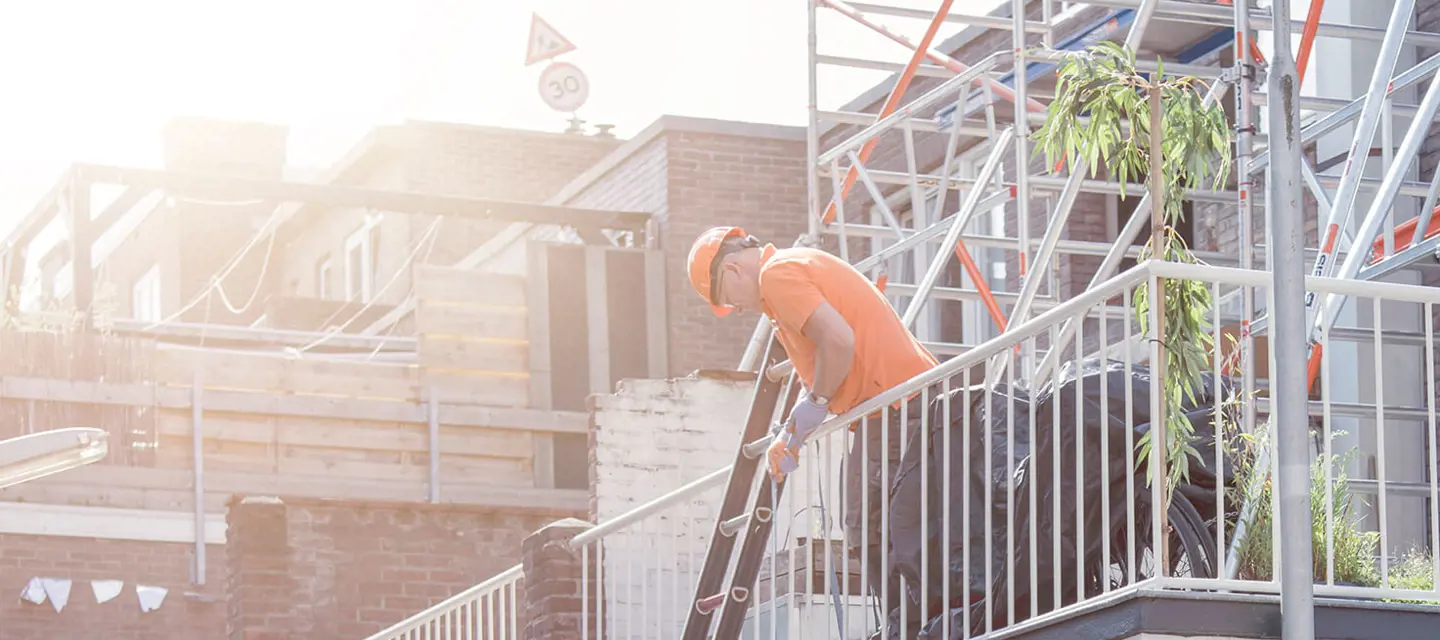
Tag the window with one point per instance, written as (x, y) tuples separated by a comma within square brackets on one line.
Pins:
[(323, 273), (360, 252), (145, 296)]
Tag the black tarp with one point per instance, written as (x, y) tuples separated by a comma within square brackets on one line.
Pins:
[(987, 467)]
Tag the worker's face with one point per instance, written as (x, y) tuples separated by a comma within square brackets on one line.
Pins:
[(738, 287)]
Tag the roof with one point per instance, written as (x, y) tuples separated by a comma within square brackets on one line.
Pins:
[(671, 123)]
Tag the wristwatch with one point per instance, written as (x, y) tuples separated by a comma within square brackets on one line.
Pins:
[(820, 400)]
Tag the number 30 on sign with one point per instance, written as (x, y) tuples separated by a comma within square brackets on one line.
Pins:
[(564, 87)]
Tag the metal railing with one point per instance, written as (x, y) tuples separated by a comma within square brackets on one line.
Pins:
[(492, 610), (1029, 501)]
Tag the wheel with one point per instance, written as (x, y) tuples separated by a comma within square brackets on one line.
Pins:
[(1189, 542)]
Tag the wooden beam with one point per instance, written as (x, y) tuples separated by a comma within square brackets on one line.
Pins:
[(342, 197), (116, 483), (537, 276), (213, 333), (40, 216), (82, 240), (142, 395), (597, 312), (656, 323), (107, 523), (117, 208)]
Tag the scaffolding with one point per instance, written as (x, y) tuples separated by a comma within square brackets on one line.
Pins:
[(942, 165)]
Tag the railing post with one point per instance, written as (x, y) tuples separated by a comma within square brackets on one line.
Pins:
[(556, 583)]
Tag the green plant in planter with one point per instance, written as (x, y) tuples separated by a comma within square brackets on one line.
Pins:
[(1414, 571), (1101, 83), (1353, 549)]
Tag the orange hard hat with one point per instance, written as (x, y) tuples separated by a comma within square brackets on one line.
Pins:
[(701, 263)]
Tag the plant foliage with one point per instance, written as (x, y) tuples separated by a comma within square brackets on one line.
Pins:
[(1101, 116)]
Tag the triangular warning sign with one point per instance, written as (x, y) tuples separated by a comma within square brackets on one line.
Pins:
[(545, 42)]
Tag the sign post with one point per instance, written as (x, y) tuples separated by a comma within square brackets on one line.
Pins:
[(562, 85)]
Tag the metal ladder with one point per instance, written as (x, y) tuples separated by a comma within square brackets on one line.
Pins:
[(740, 515)]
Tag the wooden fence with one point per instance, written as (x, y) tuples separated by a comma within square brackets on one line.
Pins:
[(299, 426)]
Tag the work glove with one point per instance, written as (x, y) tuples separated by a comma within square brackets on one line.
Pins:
[(784, 451)]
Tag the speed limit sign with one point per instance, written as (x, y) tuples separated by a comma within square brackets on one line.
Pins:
[(564, 87)]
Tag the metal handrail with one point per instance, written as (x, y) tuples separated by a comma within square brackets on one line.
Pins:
[(419, 620), (979, 354)]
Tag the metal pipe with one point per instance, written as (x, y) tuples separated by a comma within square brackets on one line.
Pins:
[(896, 93), (434, 428), (949, 63), (197, 442), (1385, 200), (1342, 116), (929, 98), (1221, 16), (988, 22), (812, 132), (952, 236), (1344, 202), (1246, 70), (1063, 247), (1045, 185), (1290, 387)]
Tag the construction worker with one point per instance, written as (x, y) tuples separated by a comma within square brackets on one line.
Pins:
[(847, 344)]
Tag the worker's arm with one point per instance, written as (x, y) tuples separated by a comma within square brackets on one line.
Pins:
[(798, 306), (834, 349)]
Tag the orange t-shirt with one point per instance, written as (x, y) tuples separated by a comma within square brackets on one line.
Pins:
[(793, 283)]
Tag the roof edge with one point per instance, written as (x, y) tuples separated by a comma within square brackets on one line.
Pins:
[(667, 124)]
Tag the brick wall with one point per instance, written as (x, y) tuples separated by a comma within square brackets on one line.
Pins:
[(342, 570), (696, 174), (491, 162), (648, 438), (81, 560)]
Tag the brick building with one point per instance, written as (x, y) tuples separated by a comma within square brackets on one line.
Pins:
[(342, 568)]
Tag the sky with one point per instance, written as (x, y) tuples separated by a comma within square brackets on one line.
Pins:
[(96, 80)]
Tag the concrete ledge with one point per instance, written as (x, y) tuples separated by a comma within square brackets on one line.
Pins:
[(1176, 614)]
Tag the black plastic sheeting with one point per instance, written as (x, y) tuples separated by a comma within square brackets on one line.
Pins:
[(1088, 404)]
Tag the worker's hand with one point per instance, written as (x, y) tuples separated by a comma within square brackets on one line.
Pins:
[(782, 456), (806, 416)]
